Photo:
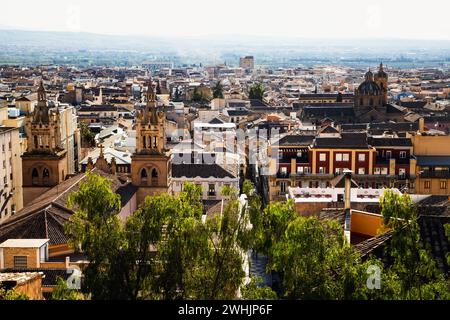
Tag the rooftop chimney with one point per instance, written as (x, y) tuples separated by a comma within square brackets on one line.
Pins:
[(347, 203), (348, 188)]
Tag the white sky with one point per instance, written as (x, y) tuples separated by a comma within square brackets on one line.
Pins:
[(412, 19)]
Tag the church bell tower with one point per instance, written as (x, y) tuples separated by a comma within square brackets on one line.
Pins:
[(44, 164), (150, 164)]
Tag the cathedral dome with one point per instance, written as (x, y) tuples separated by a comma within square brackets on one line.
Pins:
[(369, 87)]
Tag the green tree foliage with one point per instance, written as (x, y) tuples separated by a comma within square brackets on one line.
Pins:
[(95, 228), (62, 292), (411, 261), (163, 251), (256, 91), (12, 295), (275, 220), (203, 260), (168, 250), (254, 291), (87, 137), (218, 90), (198, 96), (317, 262), (254, 210)]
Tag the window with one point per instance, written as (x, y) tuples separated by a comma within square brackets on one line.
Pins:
[(345, 157), (322, 157), (403, 154), (338, 156), (300, 170), (377, 171), (34, 175), (211, 190), (20, 262), (154, 176), (46, 173), (338, 170), (361, 171), (307, 170), (322, 170), (427, 184), (388, 154), (361, 157), (384, 170), (402, 173), (143, 175), (283, 187), (443, 184)]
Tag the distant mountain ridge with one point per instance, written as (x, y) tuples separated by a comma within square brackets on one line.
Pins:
[(84, 40)]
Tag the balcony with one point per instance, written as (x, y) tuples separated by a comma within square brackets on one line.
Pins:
[(381, 176), (435, 174), (314, 175), (385, 161), (287, 160), (283, 175)]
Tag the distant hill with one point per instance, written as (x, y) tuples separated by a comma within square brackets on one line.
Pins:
[(72, 40), (21, 46), (84, 40)]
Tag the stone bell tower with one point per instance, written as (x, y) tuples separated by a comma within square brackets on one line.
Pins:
[(150, 164), (381, 79), (44, 164)]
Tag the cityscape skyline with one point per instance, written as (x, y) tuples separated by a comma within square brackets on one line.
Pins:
[(247, 152)]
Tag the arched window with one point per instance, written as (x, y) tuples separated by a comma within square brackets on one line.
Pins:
[(154, 176), (45, 175), (143, 142), (35, 141), (143, 175), (34, 176)]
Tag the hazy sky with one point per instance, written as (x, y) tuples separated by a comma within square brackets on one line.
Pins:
[(414, 19)]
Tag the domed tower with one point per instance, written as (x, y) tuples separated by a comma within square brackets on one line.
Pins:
[(381, 79), (150, 165), (368, 94), (44, 164)]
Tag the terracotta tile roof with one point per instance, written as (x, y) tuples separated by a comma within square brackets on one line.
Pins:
[(46, 215)]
